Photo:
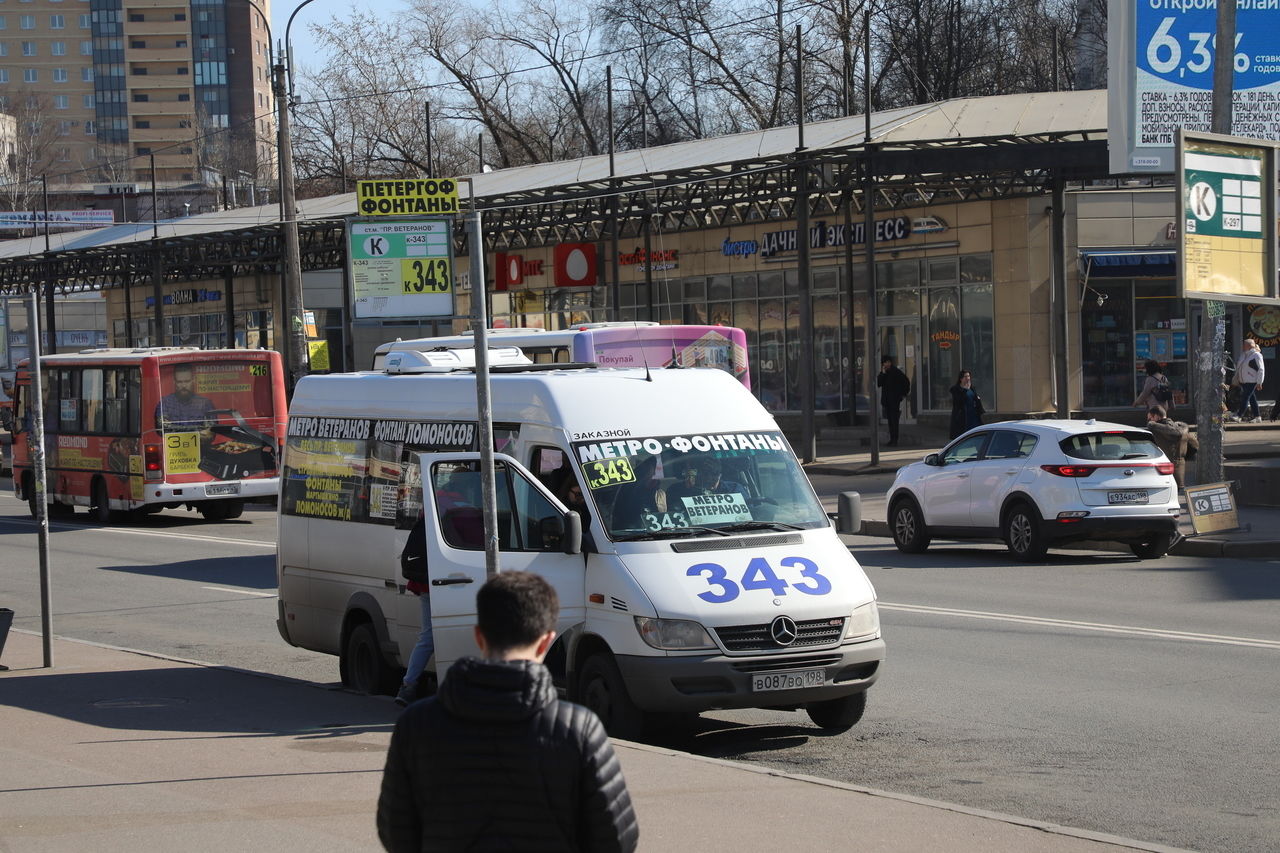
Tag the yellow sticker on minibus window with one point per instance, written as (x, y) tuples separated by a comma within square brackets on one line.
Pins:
[(608, 472)]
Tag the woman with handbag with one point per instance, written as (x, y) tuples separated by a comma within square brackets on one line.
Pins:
[(966, 406)]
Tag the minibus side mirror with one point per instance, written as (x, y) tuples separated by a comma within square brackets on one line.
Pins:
[(562, 531), (572, 542)]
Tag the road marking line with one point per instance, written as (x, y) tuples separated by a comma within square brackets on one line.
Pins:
[(1159, 633), (161, 533), (241, 591)]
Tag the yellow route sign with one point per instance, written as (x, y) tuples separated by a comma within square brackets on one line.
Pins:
[(409, 197)]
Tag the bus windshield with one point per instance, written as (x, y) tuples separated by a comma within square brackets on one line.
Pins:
[(686, 485)]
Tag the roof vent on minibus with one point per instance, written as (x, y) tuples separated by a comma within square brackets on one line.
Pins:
[(446, 360)]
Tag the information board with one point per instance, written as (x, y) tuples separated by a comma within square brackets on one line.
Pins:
[(401, 269), (1227, 186), (1213, 508), (1160, 77)]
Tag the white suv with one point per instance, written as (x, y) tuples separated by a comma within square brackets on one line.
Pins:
[(1040, 482)]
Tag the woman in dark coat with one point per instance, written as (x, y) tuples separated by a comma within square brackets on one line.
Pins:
[(966, 405)]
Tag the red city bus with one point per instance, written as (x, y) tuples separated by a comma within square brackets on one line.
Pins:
[(140, 430)]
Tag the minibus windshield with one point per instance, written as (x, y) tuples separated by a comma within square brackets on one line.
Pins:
[(706, 484)]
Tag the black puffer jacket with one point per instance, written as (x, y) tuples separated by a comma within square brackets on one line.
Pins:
[(496, 761)]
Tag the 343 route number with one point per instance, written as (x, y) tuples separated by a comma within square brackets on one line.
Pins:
[(425, 275), (760, 575)]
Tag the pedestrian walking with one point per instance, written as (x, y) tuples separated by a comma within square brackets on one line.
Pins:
[(413, 567), (1176, 439), (894, 387), (966, 406), (495, 760), (1155, 389), (1251, 370)]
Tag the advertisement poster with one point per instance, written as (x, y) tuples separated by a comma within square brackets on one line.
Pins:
[(217, 419)]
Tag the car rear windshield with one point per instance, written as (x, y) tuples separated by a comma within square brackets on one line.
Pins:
[(1110, 445)]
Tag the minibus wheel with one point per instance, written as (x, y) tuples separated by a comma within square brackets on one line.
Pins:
[(363, 667), (29, 489), (838, 715), (603, 691)]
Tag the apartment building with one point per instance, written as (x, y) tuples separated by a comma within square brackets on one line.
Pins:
[(104, 86)]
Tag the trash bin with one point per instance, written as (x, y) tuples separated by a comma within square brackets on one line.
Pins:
[(6, 620)]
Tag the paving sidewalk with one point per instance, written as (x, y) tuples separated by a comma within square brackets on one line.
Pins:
[(844, 453), (112, 750)]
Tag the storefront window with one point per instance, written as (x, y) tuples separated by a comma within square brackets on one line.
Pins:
[(1107, 352), (977, 338), (770, 370), (975, 268), (898, 303), (944, 346), (770, 284), (828, 357), (720, 287)]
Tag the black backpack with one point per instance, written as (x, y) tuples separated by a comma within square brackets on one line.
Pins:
[(1162, 393)]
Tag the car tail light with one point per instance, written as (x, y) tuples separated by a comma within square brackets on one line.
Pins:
[(1164, 467), (152, 467), (1069, 470)]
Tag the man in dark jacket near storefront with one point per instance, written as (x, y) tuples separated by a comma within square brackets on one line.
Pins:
[(495, 760), (1175, 438), (894, 388)]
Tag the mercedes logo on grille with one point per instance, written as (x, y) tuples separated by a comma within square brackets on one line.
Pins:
[(783, 630)]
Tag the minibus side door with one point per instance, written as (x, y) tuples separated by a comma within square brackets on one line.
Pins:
[(534, 534)]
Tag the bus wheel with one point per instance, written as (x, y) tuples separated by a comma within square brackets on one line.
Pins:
[(99, 503), (29, 489), (232, 509), (212, 510), (363, 667), (61, 510)]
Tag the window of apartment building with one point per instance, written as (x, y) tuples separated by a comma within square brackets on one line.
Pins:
[(137, 43), (27, 22), (64, 154), (182, 69), (183, 122), (86, 22), (90, 128), (57, 22), (86, 74), (141, 97), (30, 75), (142, 123), (4, 48), (28, 48), (180, 43), (180, 16), (86, 101), (138, 71), (61, 102), (59, 75), (186, 149), (184, 96), (64, 128), (142, 150), (210, 95), (4, 22), (59, 48), (136, 17), (4, 75), (86, 48)]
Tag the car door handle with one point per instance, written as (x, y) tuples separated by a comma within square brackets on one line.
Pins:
[(1013, 470), (450, 581), (962, 476)]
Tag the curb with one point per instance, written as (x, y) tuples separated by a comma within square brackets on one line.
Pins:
[(1187, 547)]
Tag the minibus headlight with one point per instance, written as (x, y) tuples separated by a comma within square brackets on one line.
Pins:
[(864, 622), (673, 633)]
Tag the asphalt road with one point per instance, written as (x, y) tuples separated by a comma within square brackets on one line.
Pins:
[(1135, 698)]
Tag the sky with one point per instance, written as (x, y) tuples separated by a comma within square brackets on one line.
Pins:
[(307, 52)]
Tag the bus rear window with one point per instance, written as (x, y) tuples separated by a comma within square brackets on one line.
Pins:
[(1110, 445), (191, 391)]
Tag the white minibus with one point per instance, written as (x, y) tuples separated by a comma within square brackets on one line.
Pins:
[(699, 572)]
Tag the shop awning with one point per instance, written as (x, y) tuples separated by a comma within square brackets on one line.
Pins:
[(1134, 263)]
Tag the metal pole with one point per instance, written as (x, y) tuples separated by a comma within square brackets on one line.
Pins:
[(157, 268), (808, 434), (484, 406), (295, 343), (35, 406), (50, 308), (1059, 340), (431, 173), (869, 244), (614, 269), (1213, 331)]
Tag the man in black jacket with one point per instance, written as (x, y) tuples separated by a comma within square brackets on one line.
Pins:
[(495, 760), (894, 388)]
